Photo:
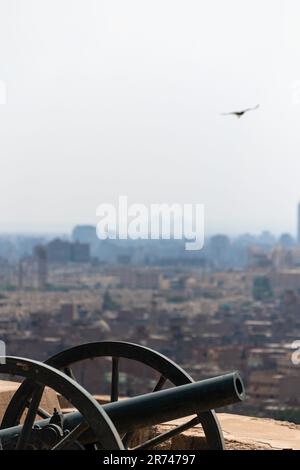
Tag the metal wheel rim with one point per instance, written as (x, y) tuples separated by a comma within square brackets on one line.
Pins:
[(44, 374)]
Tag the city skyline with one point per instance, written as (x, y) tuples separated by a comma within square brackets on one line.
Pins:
[(63, 231)]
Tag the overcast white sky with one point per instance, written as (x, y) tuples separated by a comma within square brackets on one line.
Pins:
[(124, 97)]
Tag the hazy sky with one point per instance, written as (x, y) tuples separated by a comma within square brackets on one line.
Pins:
[(124, 97)]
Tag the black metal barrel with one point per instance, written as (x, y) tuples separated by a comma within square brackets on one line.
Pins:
[(176, 402)]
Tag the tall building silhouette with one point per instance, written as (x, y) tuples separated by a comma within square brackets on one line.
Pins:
[(298, 224), (41, 265)]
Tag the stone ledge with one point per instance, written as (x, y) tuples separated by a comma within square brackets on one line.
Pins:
[(240, 433), (250, 432)]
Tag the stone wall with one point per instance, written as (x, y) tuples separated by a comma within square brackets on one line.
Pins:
[(7, 389)]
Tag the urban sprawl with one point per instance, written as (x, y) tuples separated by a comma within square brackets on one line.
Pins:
[(233, 305)]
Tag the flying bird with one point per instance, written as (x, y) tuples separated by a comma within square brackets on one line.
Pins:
[(239, 114)]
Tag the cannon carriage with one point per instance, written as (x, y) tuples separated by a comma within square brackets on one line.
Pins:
[(114, 425)]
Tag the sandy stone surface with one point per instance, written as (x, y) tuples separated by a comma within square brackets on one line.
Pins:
[(265, 433), (240, 433), (7, 389)]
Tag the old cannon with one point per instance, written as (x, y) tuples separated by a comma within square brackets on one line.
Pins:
[(89, 425)]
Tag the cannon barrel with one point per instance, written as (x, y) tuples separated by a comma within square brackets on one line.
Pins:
[(176, 402), (158, 407)]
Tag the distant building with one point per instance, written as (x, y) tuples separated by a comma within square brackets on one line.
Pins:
[(32, 271), (40, 255), (286, 240), (259, 258), (298, 222), (219, 248), (266, 238), (20, 274), (139, 279), (58, 251), (288, 279), (84, 233), (62, 251), (80, 252), (67, 313), (87, 234), (282, 257)]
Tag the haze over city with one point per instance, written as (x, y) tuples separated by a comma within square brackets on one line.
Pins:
[(111, 98)]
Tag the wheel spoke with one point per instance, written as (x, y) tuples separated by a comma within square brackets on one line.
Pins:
[(70, 438), (40, 412), (114, 393), (127, 438), (167, 435), (69, 372), (129, 435), (30, 417), (161, 382)]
